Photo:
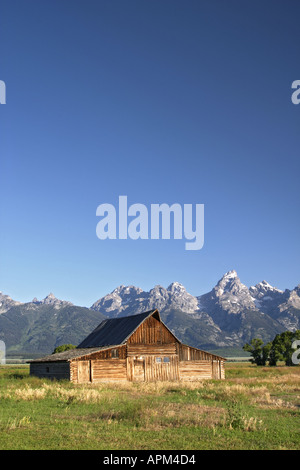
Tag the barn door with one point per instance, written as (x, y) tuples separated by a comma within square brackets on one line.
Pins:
[(84, 371), (162, 368), (139, 370), (216, 370)]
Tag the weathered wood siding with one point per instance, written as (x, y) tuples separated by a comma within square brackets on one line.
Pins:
[(187, 353), (152, 362), (135, 369), (108, 369), (151, 331), (161, 371), (84, 371), (195, 370), (51, 370), (150, 349), (105, 354), (152, 368), (74, 371), (98, 370), (197, 364), (218, 370)]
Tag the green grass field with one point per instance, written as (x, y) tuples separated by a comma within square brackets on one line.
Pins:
[(254, 408)]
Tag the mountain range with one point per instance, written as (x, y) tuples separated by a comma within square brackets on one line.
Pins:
[(226, 317)]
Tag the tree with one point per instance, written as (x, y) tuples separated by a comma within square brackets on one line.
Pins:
[(282, 349), (63, 347), (258, 351)]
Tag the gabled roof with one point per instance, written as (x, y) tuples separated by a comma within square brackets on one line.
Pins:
[(116, 330)]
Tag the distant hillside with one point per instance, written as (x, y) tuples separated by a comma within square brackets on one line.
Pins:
[(31, 328)]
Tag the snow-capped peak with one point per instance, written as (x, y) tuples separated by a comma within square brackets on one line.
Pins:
[(176, 287), (230, 294), (126, 300), (229, 282), (230, 275), (262, 289), (268, 286), (126, 290)]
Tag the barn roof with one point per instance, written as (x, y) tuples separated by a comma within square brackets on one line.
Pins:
[(116, 330), (68, 355)]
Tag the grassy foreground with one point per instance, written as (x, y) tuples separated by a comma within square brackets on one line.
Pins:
[(254, 408)]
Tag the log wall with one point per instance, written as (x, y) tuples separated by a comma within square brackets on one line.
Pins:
[(51, 370), (147, 362), (195, 370), (151, 349), (98, 370), (106, 370)]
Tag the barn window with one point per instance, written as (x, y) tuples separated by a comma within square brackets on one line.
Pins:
[(158, 359), (114, 353), (47, 369), (166, 359)]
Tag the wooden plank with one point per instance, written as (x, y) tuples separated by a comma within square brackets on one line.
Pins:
[(187, 353), (105, 354), (151, 331), (161, 371), (194, 370), (84, 372), (108, 370), (139, 370), (147, 349)]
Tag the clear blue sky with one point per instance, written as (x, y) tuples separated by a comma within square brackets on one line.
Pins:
[(162, 101)]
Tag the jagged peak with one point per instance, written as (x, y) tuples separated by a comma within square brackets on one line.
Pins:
[(264, 285), (228, 279), (120, 287), (124, 289), (175, 286), (157, 288), (50, 299), (230, 275), (50, 296)]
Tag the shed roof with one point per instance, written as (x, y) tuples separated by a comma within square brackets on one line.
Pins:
[(68, 355)]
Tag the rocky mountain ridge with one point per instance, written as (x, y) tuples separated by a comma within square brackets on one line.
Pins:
[(227, 316), (229, 297)]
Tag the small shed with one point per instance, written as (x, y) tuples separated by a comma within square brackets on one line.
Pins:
[(135, 348)]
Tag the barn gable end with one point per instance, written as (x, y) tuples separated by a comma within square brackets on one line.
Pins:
[(152, 331)]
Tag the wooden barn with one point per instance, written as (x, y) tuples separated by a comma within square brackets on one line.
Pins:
[(135, 348)]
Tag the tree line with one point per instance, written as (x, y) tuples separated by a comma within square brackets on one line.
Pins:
[(284, 347)]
